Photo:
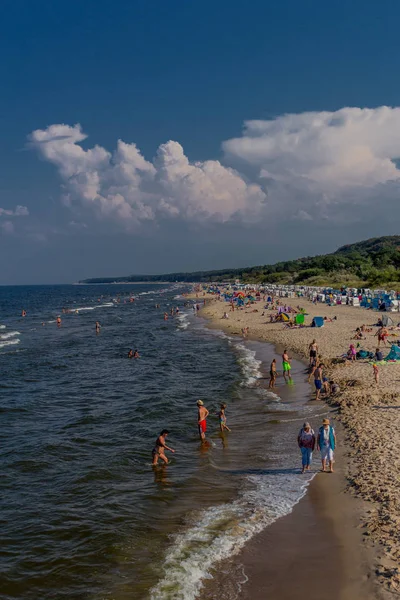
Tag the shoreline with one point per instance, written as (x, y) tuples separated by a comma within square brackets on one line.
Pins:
[(123, 283), (368, 518), (316, 546)]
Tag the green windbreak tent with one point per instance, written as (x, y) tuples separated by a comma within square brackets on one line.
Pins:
[(394, 353), (299, 319)]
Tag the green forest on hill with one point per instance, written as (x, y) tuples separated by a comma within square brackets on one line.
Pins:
[(373, 262)]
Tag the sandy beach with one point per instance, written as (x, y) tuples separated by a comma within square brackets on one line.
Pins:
[(369, 413)]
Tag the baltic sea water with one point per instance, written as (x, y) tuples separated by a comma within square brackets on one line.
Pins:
[(84, 514)]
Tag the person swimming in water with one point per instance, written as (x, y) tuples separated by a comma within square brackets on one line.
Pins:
[(136, 354), (130, 353), (59, 321), (160, 447), (201, 419), (98, 326), (222, 418)]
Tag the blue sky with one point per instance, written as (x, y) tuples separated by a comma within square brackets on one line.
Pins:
[(150, 72)]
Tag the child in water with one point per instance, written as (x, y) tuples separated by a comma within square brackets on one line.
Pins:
[(222, 418)]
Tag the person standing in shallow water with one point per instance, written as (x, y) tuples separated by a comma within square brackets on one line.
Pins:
[(326, 443), (272, 374), (160, 447), (222, 418), (318, 381), (313, 347), (201, 419), (286, 366), (306, 441)]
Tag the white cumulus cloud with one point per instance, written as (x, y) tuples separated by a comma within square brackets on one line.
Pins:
[(20, 211), (324, 166), (126, 187), (333, 168), (352, 147)]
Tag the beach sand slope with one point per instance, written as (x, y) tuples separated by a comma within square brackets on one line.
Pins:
[(369, 412)]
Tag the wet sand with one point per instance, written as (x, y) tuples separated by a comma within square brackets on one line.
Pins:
[(318, 548)]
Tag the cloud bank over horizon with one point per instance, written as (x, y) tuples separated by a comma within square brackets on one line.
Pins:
[(123, 186), (313, 166)]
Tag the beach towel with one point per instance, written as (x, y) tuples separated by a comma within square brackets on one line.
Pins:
[(364, 354)]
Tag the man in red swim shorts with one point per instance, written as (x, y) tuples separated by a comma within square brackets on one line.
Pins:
[(201, 420)]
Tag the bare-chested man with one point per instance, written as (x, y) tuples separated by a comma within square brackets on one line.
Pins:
[(201, 420), (318, 381), (286, 366), (313, 348)]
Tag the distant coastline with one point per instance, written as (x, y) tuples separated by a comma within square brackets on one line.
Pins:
[(370, 263), (88, 282)]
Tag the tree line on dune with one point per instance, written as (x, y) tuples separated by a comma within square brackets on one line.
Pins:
[(371, 263)]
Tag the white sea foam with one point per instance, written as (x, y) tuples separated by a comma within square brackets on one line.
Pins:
[(2, 326), (273, 396), (183, 321), (249, 364), (302, 418), (12, 342), (269, 395), (82, 308), (221, 531), (9, 334)]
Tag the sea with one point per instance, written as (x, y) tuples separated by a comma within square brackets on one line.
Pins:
[(84, 514)]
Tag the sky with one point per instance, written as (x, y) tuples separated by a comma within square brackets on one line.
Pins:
[(152, 137)]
